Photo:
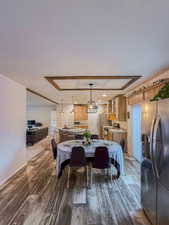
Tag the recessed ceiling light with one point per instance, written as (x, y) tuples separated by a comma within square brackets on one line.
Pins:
[(104, 95)]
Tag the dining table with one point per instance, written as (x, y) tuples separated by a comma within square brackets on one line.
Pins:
[(115, 151)]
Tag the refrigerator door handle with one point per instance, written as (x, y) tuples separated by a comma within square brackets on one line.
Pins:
[(154, 145), (151, 145)]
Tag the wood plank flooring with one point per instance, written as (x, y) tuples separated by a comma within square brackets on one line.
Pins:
[(34, 196)]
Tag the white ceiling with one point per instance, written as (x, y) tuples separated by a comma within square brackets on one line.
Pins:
[(113, 37), (106, 83)]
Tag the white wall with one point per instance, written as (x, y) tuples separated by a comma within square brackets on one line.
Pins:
[(12, 127), (129, 130), (66, 118), (93, 121), (40, 113)]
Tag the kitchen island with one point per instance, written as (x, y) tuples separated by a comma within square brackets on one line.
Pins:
[(116, 134)]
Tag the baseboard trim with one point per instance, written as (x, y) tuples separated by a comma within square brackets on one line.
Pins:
[(5, 181)]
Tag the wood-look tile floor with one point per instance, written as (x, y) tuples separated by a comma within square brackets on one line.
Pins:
[(34, 196)]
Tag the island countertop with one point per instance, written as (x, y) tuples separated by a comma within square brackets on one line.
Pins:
[(114, 129)]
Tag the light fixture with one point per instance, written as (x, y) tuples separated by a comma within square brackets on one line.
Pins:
[(72, 111), (112, 117), (92, 107), (104, 95), (61, 107)]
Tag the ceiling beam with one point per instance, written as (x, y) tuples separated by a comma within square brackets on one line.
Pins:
[(40, 95), (91, 77), (52, 81)]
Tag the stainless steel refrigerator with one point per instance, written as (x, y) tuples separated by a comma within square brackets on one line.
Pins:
[(155, 163)]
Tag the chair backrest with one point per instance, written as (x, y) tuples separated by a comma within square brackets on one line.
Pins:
[(94, 136), (79, 137), (101, 158), (78, 158), (122, 143), (54, 148)]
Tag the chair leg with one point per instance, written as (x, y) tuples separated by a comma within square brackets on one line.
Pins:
[(107, 171), (91, 177), (87, 175), (111, 174), (68, 177)]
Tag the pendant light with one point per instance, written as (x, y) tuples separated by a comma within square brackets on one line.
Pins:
[(72, 111), (61, 107), (92, 107)]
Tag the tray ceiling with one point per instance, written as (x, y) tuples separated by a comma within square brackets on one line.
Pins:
[(81, 83)]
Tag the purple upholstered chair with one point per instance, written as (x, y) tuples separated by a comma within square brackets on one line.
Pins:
[(77, 159), (101, 160), (54, 148), (94, 136)]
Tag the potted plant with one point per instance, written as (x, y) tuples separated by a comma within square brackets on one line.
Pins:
[(162, 94), (87, 136)]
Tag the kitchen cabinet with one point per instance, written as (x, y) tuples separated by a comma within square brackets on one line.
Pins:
[(80, 113), (120, 107), (110, 106)]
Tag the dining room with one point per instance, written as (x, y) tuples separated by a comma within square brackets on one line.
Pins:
[(86, 174)]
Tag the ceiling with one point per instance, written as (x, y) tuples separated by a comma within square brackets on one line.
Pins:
[(76, 37), (82, 84), (34, 100)]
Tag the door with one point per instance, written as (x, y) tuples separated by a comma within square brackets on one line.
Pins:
[(136, 132), (148, 176)]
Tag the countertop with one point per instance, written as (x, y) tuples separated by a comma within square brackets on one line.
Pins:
[(114, 129)]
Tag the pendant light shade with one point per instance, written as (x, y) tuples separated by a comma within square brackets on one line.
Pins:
[(92, 107)]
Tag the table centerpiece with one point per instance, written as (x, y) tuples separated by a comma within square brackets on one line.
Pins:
[(87, 136)]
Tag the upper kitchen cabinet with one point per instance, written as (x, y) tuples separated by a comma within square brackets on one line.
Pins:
[(120, 107), (110, 106), (80, 113)]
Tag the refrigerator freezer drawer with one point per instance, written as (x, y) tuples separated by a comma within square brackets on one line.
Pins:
[(148, 190), (162, 205)]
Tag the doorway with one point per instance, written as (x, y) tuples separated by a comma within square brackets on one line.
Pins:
[(136, 132)]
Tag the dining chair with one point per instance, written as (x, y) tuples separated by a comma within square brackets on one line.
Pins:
[(77, 159), (54, 148), (122, 143), (94, 136), (101, 160), (79, 137)]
